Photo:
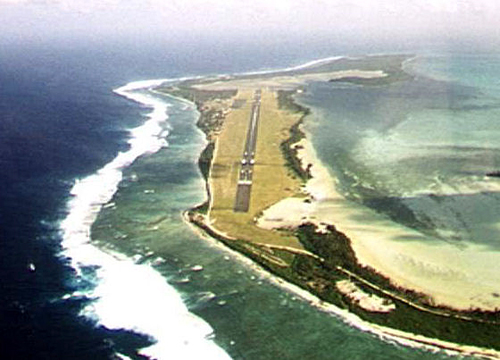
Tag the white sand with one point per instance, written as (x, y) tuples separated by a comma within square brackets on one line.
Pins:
[(366, 301), (388, 334), (288, 82), (458, 277), (293, 211)]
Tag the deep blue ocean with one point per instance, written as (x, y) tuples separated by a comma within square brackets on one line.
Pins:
[(60, 121)]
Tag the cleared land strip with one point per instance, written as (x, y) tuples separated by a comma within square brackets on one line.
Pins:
[(244, 189), (271, 180), (274, 250)]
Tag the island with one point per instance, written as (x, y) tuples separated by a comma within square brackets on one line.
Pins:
[(262, 180)]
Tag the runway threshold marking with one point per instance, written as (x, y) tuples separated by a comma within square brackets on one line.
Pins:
[(243, 191)]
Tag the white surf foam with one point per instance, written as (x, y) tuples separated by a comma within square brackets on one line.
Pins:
[(127, 295), (296, 67), (386, 334)]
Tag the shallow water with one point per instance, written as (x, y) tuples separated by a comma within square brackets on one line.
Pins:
[(61, 121), (251, 316), (425, 144), (417, 153)]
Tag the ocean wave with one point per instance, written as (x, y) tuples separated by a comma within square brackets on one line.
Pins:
[(127, 295), (386, 334), (296, 67), (151, 84)]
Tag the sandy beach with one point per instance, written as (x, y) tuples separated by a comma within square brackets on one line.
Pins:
[(288, 82), (410, 259), (385, 333)]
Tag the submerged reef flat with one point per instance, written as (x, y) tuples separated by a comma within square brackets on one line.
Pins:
[(265, 189)]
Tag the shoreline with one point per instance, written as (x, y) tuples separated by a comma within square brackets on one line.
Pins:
[(125, 307), (384, 333), (260, 257), (328, 206)]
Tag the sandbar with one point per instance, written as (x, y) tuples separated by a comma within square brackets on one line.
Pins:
[(314, 237), (409, 258)]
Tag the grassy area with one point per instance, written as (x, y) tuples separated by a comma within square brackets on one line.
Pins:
[(319, 278), (277, 175), (390, 64), (227, 156), (195, 95), (271, 181), (391, 77), (212, 105), (205, 159)]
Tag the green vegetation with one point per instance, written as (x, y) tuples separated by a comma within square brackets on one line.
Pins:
[(379, 81), (318, 276), (390, 64), (331, 257), (333, 246), (212, 116), (269, 168), (205, 159), (196, 95), (335, 249), (286, 102)]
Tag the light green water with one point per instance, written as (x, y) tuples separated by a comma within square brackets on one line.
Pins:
[(251, 316)]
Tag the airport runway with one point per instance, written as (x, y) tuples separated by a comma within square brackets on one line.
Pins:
[(243, 191)]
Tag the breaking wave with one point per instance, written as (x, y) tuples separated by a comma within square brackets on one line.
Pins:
[(127, 295)]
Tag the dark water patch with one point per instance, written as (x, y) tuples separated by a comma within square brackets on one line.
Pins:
[(62, 122), (399, 211), (465, 217), (357, 108), (54, 330), (251, 317)]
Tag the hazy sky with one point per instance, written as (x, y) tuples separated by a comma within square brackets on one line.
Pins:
[(32, 20)]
